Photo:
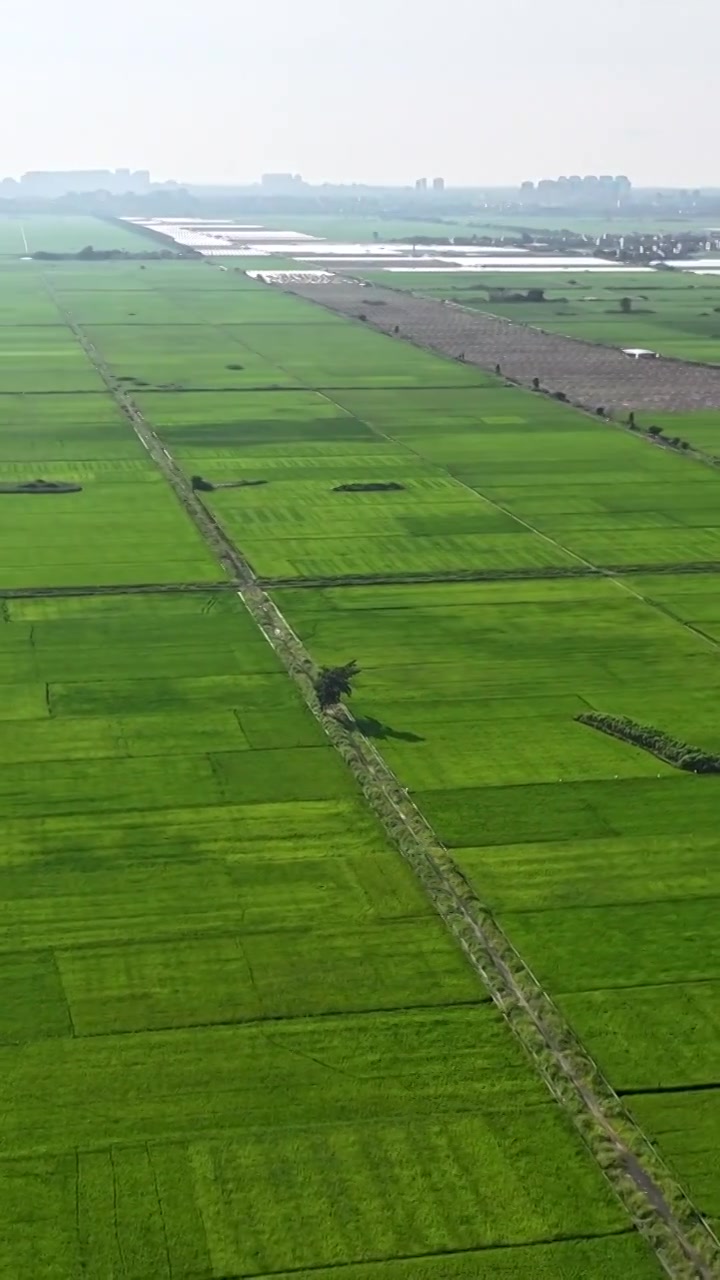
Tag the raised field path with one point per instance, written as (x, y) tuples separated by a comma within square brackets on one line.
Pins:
[(590, 375), (362, 580)]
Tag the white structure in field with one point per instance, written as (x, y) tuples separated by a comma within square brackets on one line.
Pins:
[(223, 238)]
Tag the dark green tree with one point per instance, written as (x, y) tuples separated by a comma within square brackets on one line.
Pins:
[(626, 305), (334, 683)]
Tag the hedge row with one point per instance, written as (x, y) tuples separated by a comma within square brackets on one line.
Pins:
[(679, 754)]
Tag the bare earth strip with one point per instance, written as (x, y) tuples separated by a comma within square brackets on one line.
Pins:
[(682, 1240), (588, 374)]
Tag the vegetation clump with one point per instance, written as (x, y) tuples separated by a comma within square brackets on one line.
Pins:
[(513, 295), (89, 254), (334, 683), (372, 486), (674, 752), (41, 486), (201, 485)]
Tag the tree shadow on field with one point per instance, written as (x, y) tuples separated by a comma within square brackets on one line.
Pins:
[(373, 728)]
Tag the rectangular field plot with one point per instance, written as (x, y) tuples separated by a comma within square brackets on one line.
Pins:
[(183, 299), (183, 356), (122, 525), (71, 233), (44, 358), (40, 232), (42, 429), (624, 1028), (299, 448), (686, 1127), (259, 422), (349, 355), (125, 526), (228, 1007), (601, 494), (24, 300), (284, 1134), (337, 557)]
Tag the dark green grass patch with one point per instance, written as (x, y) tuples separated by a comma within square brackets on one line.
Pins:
[(679, 806), (34, 1004)]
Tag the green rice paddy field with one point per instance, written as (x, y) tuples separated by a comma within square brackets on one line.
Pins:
[(236, 1040), (41, 232), (674, 312)]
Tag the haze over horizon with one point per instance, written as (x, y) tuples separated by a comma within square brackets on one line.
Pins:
[(384, 94)]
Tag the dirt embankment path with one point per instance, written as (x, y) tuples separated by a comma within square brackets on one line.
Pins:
[(588, 374)]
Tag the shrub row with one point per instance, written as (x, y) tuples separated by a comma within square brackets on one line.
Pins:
[(372, 486), (679, 754)]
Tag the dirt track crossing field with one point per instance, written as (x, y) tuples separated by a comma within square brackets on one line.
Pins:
[(589, 375)]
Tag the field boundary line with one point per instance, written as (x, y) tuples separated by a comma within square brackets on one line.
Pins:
[(659, 1208), (558, 574), (326, 1268), (132, 589)]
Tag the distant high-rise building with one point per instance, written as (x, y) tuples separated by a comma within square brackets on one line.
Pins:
[(421, 184), (438, 184), (591, 191)]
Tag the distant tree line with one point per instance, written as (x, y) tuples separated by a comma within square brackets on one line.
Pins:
[(88, 254)]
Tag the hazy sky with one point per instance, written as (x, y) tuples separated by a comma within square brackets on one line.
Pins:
[(384, 90)]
